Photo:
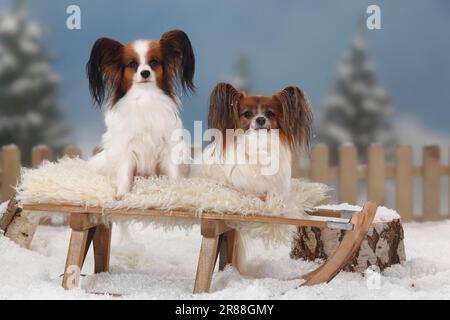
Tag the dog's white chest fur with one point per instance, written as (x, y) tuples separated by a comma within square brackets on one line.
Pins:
[(270, 174), (140, 125)]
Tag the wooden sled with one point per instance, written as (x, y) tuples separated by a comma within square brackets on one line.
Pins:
[(219, 241)]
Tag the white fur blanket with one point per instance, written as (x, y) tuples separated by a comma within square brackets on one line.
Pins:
[(70, 181)]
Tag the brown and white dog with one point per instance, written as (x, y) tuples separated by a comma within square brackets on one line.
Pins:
[(286, 113), (136, 84)]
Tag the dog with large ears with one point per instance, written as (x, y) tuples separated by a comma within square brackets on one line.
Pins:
[(136, 84), (284, 116)]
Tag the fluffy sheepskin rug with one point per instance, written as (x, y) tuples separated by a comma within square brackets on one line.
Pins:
[(71, 181)]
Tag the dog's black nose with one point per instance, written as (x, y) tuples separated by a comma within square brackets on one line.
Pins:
[(145, 74), (261, 121)]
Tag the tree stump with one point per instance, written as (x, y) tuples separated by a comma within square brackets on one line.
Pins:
[(382, 247), (16, 226)]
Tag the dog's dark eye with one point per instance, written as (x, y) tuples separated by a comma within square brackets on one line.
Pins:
[(270, 114), (153, 63), (247, 114), (133, 64)]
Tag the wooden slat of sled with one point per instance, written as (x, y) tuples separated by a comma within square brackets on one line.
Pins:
[(314, 221)]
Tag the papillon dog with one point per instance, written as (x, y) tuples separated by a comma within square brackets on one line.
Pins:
[(266, 129), (136, 84)]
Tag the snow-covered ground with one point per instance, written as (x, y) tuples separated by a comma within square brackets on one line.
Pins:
[(161, 265)]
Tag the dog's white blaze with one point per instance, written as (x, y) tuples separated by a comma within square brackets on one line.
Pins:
[(142, 47), (253, 124)]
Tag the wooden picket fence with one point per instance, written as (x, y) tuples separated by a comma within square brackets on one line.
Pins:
[(349, 173), (10, 163)]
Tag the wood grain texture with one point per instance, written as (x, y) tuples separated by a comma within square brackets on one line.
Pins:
[(376, 173), (39, 154), (82, 221), (431, 183), (226, 249), (319, 164), (213, 228), (348, 174), (11, 211), (10, 165), (75, 258), (404, 182), (314, 221), (206, 263), (102, 247), (21, 230), (296, 170)]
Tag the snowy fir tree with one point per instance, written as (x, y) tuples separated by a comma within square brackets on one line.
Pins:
[(29, 109), (358, 109), (241, 78)]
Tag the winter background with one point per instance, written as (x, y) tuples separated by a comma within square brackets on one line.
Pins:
[(390, 86)]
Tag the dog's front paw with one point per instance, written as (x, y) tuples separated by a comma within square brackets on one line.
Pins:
[(119, 195)]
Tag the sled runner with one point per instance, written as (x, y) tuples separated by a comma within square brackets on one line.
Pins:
[(219, 241)]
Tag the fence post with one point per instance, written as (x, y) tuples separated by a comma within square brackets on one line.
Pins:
[(1, 169), (319, 164), (10, 170), (39, 154), (431, 183), (404, 178), (295, 170), (376, 173), (72, 152), (348, 174)]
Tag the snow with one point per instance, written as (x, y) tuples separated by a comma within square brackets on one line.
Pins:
[(28, 46), (9, 24), (3, 207), (383, 214), (154, 264), (339, 133)]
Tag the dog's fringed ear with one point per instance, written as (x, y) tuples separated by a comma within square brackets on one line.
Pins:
[(297, 117), (224, 107), (104, 68), (179, 60)]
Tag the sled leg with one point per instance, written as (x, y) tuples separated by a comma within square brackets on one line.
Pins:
[(102, 247), (78, 248), (206, 263), (82, 234), (228, 249), (211, 231), (349, 245)]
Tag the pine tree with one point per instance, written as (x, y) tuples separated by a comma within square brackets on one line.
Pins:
[(29, 109), (241, 77), (358, 109)]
